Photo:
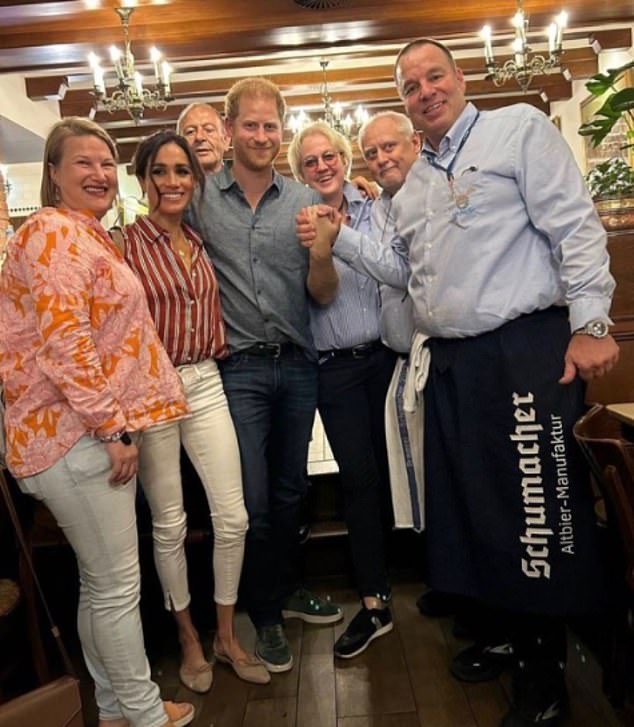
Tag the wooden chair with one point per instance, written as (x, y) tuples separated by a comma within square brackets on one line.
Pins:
[(611, 459), (26, 595)]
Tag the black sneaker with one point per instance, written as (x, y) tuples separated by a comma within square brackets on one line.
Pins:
[(537, 705), (481, 663), (367, 625)]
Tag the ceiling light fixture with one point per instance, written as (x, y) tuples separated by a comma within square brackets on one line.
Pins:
[(524, 66), (130, 95), (333, 112), (319, 4)]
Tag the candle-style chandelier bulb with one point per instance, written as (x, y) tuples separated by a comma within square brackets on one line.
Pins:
[(130, 93), (523, 66), (333, 114)]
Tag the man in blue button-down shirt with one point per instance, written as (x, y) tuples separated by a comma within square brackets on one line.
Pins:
[(507, 260), (246, 217)]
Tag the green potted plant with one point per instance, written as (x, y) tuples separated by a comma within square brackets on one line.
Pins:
[(617, 104), (611, 182), (611, 178)]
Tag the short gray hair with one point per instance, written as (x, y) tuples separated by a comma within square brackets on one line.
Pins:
[(191, 107), (402, 123)]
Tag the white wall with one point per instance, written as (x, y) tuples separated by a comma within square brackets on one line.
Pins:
[(37, 116)]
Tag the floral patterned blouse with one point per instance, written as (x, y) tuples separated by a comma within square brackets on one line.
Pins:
[(79, 353)]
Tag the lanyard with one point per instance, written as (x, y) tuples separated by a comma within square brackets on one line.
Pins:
[(432, 158)]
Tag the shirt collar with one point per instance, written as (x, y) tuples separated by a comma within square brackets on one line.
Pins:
[(155, 233), (225, 179), (452, 138), (354, 198), (384, 198)]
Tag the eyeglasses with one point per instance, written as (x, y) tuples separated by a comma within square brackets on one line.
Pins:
[(328, 158)]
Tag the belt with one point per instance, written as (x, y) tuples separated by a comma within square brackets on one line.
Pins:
[(361, 351), (271, 350)]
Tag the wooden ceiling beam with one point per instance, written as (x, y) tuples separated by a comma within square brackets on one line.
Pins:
[(618, 39), (46, 88)]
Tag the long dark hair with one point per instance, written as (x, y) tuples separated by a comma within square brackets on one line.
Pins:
[(146, 152)]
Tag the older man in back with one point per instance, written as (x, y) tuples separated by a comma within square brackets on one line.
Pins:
[(204, 130), (389, 146)]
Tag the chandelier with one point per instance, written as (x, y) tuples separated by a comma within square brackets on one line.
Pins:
[(333, 113), (523, 66), (129, 94)]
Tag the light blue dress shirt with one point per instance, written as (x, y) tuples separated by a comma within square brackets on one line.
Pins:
[(352, 317), (382, 255), (517, 233)]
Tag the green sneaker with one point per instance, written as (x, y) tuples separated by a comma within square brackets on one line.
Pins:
[(311, 608), (271, 647)]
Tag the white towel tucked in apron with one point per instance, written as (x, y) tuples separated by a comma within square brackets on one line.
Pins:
[(404, 434)]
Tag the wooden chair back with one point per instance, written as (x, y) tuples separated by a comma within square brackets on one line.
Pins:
[(611, 458)]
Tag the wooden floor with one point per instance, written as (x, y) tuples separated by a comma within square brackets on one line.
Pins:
[(400, 681)]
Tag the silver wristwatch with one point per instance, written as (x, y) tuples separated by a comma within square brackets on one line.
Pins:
[(597, 329)]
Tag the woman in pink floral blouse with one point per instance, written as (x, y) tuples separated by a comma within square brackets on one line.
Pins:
[(83, 372)]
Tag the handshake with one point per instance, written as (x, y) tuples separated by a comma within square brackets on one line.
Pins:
[(317, 228)]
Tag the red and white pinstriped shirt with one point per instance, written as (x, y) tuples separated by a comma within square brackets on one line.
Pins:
[(185, 306)]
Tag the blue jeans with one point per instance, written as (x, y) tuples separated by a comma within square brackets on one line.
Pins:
[(272, 403)]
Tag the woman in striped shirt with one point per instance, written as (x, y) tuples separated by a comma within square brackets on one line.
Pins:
[(182, 293)]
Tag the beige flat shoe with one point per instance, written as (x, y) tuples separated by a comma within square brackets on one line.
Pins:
[(197, 679), (179, 713), (250, 669)]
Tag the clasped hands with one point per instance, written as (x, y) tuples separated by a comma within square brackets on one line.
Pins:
[(317, 228)]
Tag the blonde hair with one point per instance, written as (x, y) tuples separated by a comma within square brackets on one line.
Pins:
[(54, 149), (339, 142), (255, 88)]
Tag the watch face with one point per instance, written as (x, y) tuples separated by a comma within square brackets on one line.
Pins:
[(598, 329)]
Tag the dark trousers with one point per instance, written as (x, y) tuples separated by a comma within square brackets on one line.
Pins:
[(272, 404), (352, 407)]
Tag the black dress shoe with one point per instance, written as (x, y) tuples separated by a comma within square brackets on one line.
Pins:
[(541, 702), (482, 662), (436, 603)]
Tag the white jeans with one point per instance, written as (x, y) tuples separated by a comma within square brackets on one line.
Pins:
[(99, 521), (210, 441)]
